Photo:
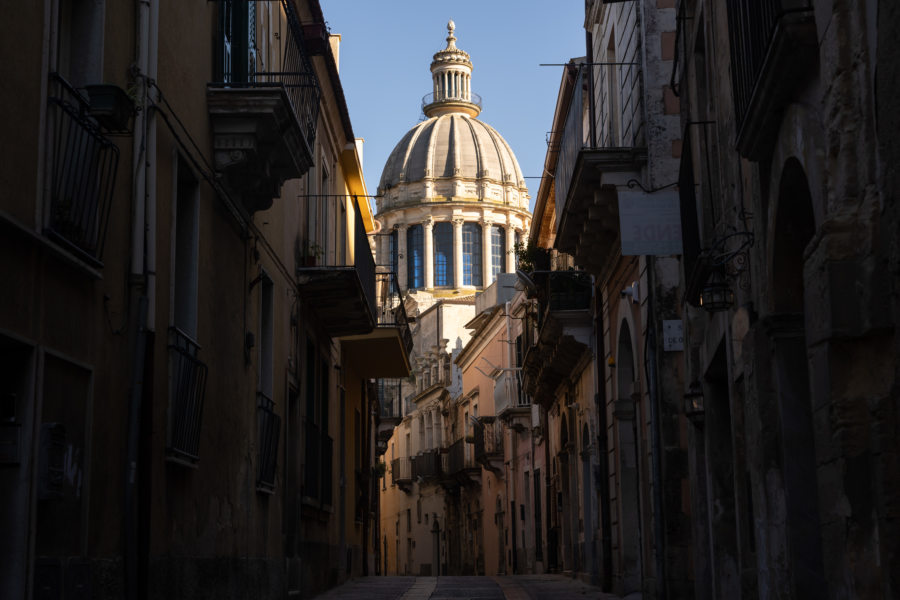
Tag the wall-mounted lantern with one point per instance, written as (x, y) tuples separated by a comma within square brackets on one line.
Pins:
[(716, 294)]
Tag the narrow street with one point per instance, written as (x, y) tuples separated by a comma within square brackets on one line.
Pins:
[(517, 587)]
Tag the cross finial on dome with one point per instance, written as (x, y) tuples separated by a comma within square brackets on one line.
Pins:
[(451, 39)]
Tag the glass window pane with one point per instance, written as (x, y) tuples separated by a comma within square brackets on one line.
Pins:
[(472, 254), (498, 250), (415, 257), (443, 254)]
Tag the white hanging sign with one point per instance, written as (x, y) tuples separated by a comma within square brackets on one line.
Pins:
[(650, 224)]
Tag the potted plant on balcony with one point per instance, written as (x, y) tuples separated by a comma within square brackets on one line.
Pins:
[(312, 254), (531, 257)]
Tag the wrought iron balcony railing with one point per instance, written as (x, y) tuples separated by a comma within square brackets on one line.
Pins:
[(401, 470), (269, 425), (242, 62), (508, 393), (82, 169), (488, 439), (391, 311), (188, 385), (752, 25), (427, 465), (617, 123)]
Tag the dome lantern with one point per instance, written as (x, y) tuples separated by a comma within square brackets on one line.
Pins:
[(451, 74)]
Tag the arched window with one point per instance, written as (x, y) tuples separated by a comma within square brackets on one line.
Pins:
[(498, 250), (443, 254), (415, 257), (471, 235)]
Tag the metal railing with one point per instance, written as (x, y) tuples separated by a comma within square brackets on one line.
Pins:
[(569, 290), (294, 74), (82, 170), (401, 470), (269, 425), (618, 120), (363, 260), (508, 393), (488, 439), (458, 459), (390, 310), (432, 98), (187, 376), (427, 464), (752, 25)]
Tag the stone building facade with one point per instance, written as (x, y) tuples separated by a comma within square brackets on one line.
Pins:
[(790, 270), (189, 313)]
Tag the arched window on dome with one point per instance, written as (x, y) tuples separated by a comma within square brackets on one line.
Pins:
[(415, 257), (471, 234), (498, 251), (443, 254)]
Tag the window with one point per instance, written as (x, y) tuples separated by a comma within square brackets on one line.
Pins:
[(498, 251), (471, 234), (237, 32), (187, 249), (266, 334), (415, 253), (393, 252), (319, 445), (443, 254)]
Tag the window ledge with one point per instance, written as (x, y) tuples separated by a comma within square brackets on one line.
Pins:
[(55, 249)]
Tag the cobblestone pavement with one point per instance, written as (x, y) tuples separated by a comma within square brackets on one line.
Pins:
[(518, 587)]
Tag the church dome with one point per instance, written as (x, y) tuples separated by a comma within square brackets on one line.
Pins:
[(452, 201), (452, 146)]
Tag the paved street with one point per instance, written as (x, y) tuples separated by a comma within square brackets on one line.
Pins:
[(519, 587)]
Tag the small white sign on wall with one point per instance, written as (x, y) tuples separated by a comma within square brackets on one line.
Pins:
[(673, 336), (650, 224)]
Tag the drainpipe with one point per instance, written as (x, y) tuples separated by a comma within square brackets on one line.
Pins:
[(146, 14), (656, 466)]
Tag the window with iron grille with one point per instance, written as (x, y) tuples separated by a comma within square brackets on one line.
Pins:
[(393, 252), (415, 257), (443, 254), (472, 263), (498, 251)]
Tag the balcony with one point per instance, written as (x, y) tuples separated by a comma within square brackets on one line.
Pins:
[(401, 472), (564, 330), (263, 116), (269, 425), (511, 403), (593, 161), (384, 351), (489, 444), (427, 465), (461, 465), (343, 295), (187, 377), (82, 171), (774, 51)]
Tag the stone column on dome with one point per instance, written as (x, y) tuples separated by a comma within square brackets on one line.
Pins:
[(487, 259), (427, 229), (510, 248), (401, 255), (457, 253)]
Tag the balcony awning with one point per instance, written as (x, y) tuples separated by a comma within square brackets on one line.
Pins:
[(338, 298), (377, 354)]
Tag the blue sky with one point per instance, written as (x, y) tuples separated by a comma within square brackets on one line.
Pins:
[(386, 50)]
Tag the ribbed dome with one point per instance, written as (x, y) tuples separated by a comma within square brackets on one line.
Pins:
[(452, 146)]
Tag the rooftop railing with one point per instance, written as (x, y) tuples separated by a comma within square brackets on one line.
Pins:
[(432, 98)]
